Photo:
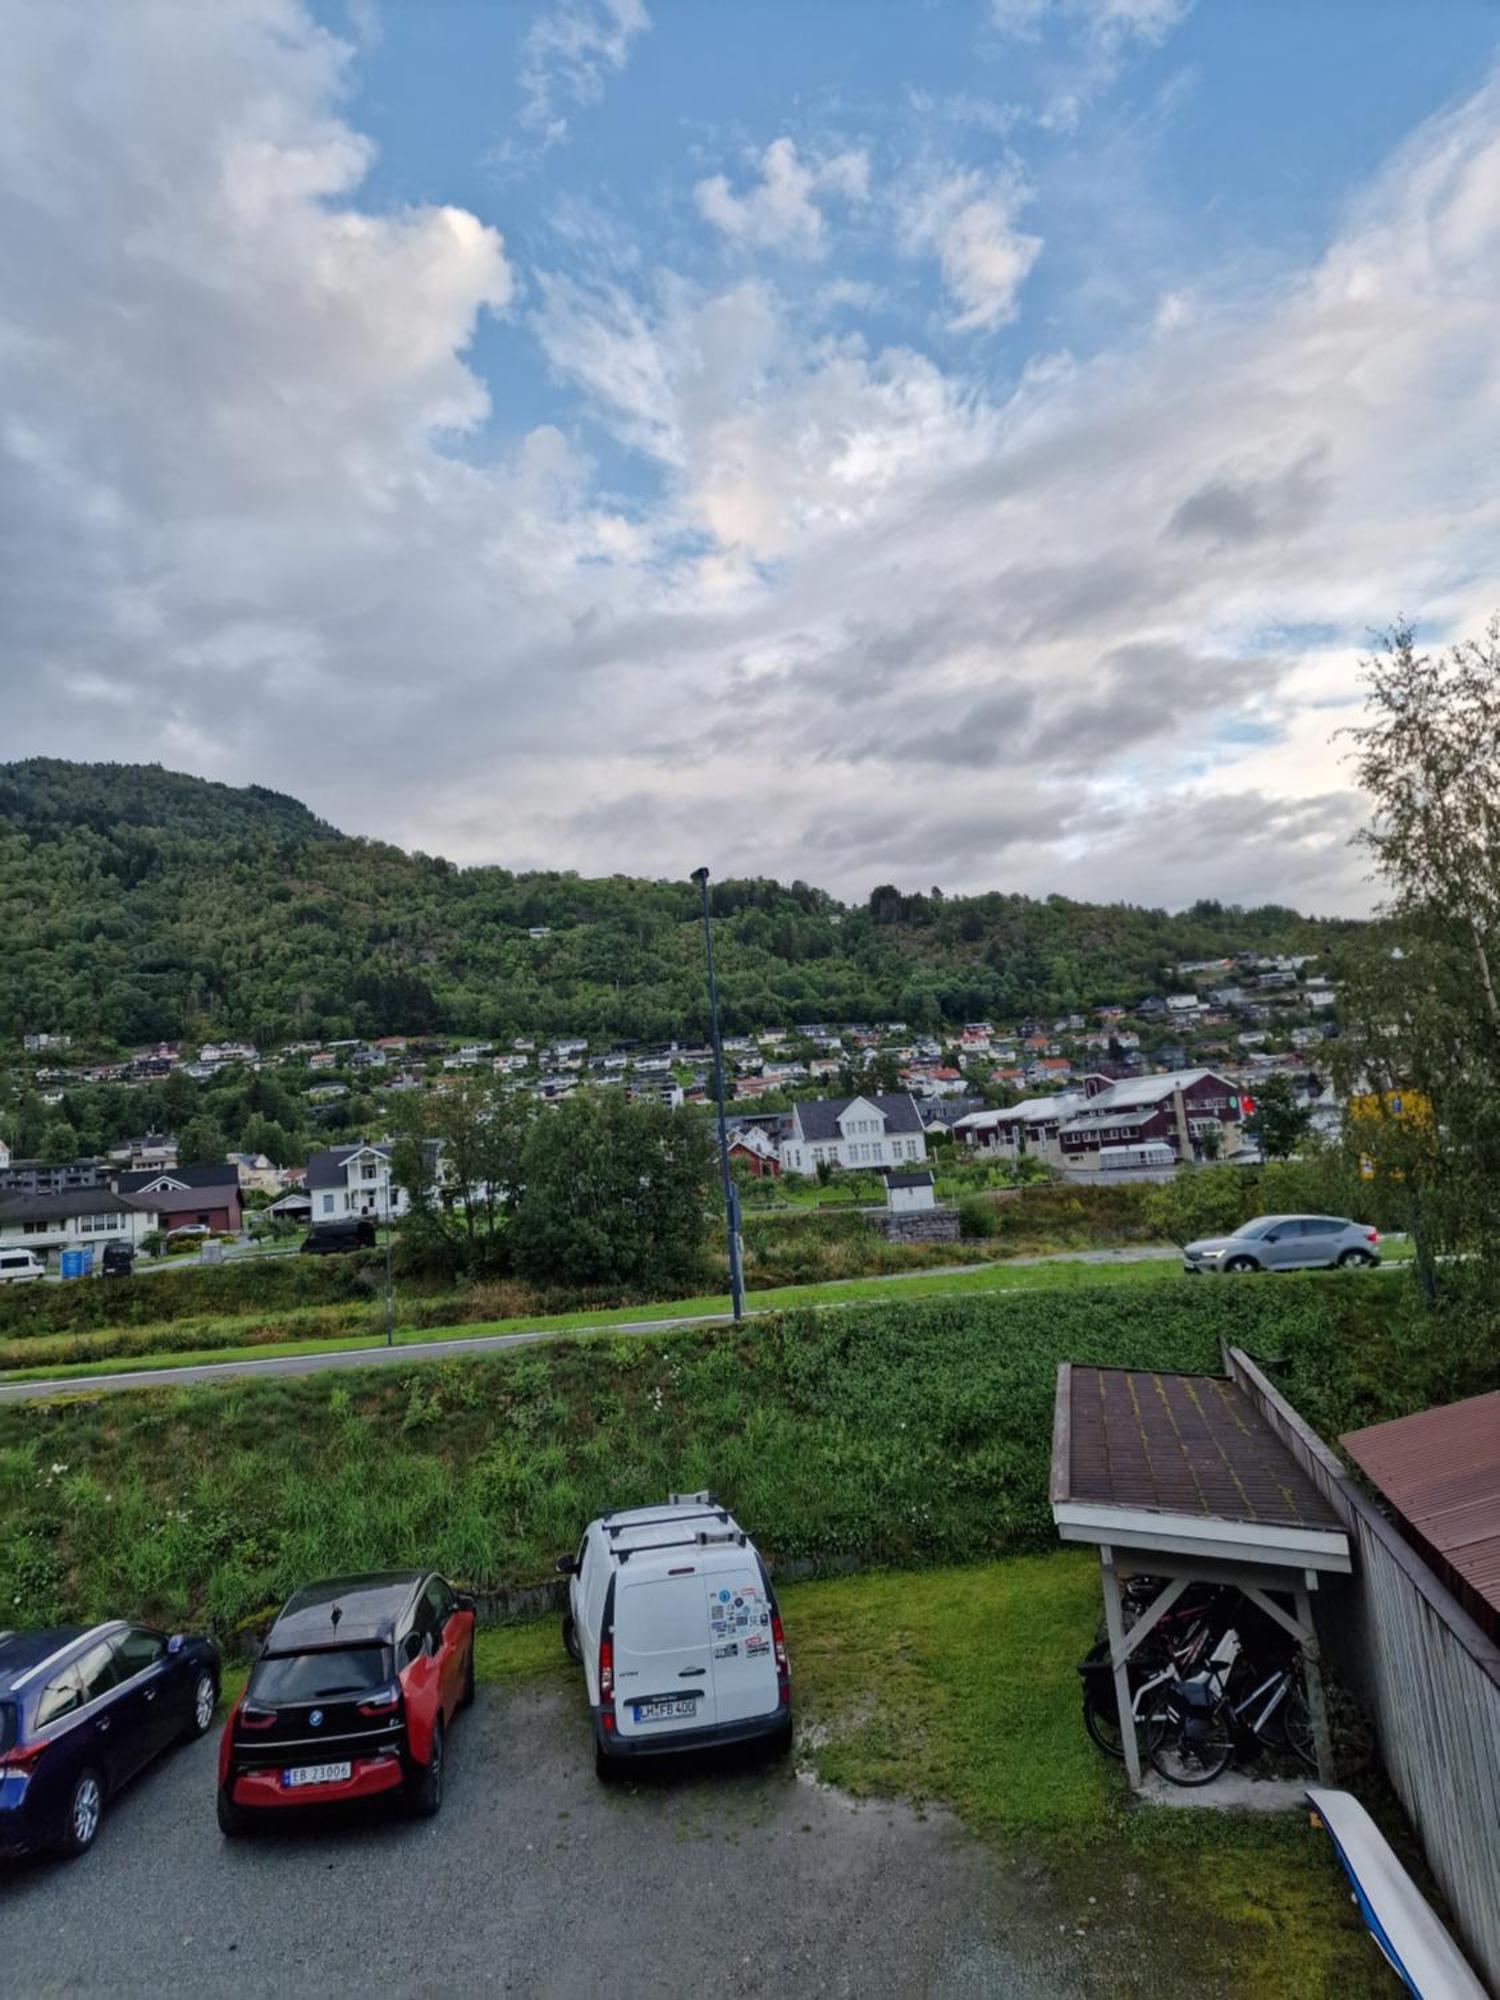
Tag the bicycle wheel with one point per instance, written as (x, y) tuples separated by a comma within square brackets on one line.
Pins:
[(1296, 1728), (1102, 1721), (1185, 1756)]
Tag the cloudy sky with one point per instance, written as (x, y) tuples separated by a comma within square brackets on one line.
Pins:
[(957, 441)]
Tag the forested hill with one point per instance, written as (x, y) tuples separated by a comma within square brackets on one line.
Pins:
[(138, 904)]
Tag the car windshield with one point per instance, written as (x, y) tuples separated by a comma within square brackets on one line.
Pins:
[(1259, 1227), (320, 1676)]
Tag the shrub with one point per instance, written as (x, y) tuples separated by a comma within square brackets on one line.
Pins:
[(977, 1217)]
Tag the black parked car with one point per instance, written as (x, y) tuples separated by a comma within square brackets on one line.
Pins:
[(82, 1710), (118, 1260), (326, 1239)]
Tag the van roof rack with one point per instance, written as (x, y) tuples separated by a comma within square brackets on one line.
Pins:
[(704, 1499), (665, 1520), (701, 1540)]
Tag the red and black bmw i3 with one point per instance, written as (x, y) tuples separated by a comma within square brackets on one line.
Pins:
[(351, 1697)]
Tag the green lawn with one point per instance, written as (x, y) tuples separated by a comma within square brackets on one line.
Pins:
[(1061, 1274), (956, 1687)]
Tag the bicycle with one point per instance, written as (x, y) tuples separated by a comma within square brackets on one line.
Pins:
[(1166, 1655), (1195, 1731)]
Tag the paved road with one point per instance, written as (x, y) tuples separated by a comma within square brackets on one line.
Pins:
[(442, 1350), (536, 1880)]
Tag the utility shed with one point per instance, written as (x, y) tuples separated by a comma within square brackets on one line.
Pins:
[(1180, 1476), (1440, 1471)]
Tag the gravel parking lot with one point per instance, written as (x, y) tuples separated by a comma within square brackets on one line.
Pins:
[(535, 1879)]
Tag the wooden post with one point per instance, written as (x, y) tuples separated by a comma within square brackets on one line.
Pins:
[(1114, 1620), (1312, 1674)]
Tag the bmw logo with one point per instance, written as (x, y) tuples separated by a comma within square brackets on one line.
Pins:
[(315, 1719)]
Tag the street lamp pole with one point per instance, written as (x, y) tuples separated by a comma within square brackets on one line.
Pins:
[(390, 1304), (731, 1198)]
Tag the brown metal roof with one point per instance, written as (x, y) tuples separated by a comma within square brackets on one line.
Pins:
[(1180, 1444), (1440, 1470)]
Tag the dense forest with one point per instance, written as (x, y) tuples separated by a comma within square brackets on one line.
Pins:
[(139, 904)]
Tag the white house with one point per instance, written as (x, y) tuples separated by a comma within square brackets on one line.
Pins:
[(354, 1180), (854, 1132), (70, 1220)]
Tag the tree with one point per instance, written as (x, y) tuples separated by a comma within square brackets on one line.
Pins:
[(1419, 1057), (616, 1195), (200, 1141), (1278, 1123), (460, 1161)]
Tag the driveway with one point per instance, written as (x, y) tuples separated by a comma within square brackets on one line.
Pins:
[(535, 1879)]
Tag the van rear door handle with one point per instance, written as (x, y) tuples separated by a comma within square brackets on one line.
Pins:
[(692, 1673)]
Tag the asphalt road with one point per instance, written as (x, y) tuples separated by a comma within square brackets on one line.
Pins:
[(733, 1879), (441, 1350)]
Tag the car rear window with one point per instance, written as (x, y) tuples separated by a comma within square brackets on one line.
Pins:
[(322, 1676), (7, 1725)]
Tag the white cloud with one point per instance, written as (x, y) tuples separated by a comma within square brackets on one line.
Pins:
[(779, 212), (1107, 21), (867, 616), (570, 52), (969, 222)]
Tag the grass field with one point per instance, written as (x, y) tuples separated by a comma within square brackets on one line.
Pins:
[(956, 1687), (230, 1338)]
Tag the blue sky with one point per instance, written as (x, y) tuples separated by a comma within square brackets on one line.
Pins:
[(935, 440)]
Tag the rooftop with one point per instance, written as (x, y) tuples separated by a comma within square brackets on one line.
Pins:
[(1440, 1470), (1186, 1463)]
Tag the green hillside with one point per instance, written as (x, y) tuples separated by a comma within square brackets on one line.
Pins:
[(139, 904)]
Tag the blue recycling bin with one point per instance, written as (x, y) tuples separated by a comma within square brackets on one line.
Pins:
[(72, 1264)]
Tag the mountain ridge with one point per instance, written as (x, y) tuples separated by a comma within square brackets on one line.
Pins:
[(140, 904)]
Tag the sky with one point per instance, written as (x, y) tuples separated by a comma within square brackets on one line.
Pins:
[(960, 442)]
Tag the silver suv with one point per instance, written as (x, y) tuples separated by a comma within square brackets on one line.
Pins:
[(1286, 1243)]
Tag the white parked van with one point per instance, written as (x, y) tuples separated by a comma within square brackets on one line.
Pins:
[(18, 1266), (673, 1618)]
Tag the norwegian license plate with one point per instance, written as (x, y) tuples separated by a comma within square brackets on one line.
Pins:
[(317, 1774), (662, 1711)]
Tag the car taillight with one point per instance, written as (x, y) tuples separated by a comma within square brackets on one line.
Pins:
[(24, 1757), (607, 1683), (1372, 1236), (385, 1703), (783, 1665), (253, 1716)]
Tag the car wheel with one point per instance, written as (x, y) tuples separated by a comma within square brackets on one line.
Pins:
[(233, 1819), (205, 1701), (426, 1792), (570, 1639), (1355, 1260), (604, 1767), (85, 1810), (1241, 1264)]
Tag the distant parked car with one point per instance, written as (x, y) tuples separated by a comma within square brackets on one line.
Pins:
[(20, 1267), (1286, 1243), (355, 1232), (82, 1710), (188, 1232), (673, 1619), (118, 1260), (351, 1697)]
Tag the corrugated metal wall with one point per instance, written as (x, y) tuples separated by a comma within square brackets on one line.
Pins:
[(1427, 1677)]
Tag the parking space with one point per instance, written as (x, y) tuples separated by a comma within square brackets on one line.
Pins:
[(739, 1878)]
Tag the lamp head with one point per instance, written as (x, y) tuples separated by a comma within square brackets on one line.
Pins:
[(700, 876)]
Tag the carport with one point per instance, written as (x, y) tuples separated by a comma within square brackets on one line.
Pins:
[(1179, 1476)]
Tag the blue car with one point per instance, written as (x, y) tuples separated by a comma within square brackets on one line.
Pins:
[(82, 1710)]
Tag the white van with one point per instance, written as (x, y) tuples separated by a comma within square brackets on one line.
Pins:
[(17, 1266), (672, 1616)]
